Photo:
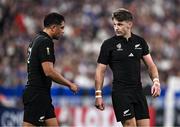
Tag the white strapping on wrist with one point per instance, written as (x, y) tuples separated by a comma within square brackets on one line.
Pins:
[(156, 80), (98, 91), (98, 96), (157, 83)]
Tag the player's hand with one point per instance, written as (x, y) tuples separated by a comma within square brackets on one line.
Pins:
[(99, 104), (74, 88), (155, 89)]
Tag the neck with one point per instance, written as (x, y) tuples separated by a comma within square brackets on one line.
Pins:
[(128, 35), (47, 31)]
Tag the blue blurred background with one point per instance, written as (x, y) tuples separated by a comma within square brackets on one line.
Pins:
[(88, 23)]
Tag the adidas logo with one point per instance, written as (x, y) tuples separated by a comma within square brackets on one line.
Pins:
[(131, 55)]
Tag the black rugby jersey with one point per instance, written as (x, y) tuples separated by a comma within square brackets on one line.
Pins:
[(124, 58), (41, 49)]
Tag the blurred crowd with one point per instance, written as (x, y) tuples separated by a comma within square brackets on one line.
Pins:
[(88, 24)]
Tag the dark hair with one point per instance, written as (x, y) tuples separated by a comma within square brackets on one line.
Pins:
[(53, 19), (122, 14)]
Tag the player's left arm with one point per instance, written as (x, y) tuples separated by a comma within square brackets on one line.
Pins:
[(153, 72)]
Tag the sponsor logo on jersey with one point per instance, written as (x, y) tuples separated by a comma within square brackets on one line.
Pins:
[(130, 55)]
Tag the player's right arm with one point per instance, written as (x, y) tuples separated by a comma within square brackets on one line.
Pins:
[(99, 79), (46, 57), (56, 76)]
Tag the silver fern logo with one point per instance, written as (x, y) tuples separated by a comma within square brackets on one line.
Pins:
[(137, 46)]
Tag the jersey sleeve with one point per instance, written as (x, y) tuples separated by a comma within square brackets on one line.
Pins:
[(104, 54), (46, 51), (145, 49)]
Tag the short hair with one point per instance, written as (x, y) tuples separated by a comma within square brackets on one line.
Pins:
[(122, 14), (53, 19)]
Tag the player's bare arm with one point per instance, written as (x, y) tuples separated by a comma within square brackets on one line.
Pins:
[(153, 72), (57, 77), (99, 79)]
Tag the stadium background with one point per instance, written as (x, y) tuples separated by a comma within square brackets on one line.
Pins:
[(88, 23)]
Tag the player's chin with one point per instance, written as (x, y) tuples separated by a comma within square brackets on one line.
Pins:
[(56, 37), (118, 34)]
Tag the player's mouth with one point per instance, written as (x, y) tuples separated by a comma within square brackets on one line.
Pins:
[(118, 32)]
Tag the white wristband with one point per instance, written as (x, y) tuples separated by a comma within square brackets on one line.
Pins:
[(156, 83), (98, 96), (98, 91), (156, 80)]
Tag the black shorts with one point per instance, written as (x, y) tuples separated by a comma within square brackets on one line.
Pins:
[(37, 107), (130, 103)]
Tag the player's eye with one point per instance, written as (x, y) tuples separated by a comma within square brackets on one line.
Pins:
[(62, 27), (119, 24)]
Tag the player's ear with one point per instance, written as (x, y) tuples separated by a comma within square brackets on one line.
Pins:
[(52, 27), (130, 24)]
